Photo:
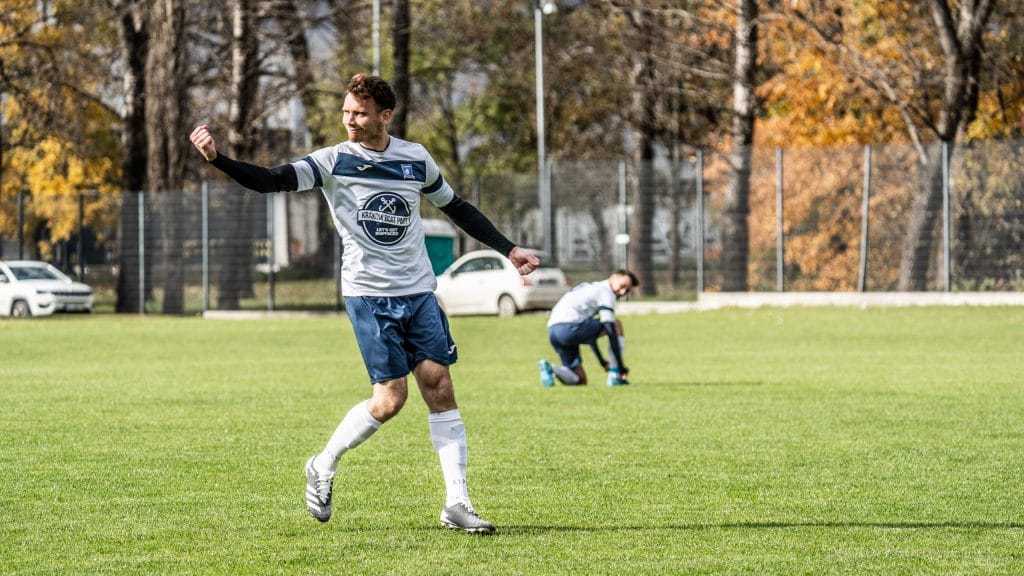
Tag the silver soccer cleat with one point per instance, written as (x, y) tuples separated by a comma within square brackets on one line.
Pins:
[(318, 492), (462, 517)]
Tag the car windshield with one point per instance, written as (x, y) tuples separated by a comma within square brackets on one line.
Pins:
[(33, 273), (480, 265)]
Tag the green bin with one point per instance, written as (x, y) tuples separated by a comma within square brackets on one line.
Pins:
[(440, 238)]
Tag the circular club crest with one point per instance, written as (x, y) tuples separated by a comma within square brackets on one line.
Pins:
[(385, 218)]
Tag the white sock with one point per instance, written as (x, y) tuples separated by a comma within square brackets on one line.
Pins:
[(622, 349), (356, 427), (448, 434), (566, 375)]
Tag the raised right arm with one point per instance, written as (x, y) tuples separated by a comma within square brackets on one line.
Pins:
[(259, 178), (265, 180)]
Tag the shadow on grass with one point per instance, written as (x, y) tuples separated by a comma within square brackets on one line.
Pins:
[(721, 384), (531, 529), (962, 525)]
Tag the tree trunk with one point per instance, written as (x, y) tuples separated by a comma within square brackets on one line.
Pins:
[(352, 25), (675, 195), (234, 280), (924, 214), (400, 79), (134, 33), (446, 102), (962, 45), (601, 239), (298, 46), (645, 119), (736, 228), (675, 243), (165, 120)]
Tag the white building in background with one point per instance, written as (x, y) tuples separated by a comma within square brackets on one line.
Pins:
[(578, 235)]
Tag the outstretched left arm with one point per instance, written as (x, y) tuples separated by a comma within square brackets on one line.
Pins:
[(467, 217)]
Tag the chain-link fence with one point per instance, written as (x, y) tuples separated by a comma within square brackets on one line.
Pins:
[(841, 219), (218, 247), (819, 220)]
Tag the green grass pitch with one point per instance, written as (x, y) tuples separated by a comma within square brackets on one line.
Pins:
[(801, 441)]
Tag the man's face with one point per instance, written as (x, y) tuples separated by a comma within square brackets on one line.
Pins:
[(621, 285), (363, 121)]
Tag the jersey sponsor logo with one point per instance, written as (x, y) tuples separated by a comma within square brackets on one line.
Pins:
[(407, 172), (385, 218), (364, 167)]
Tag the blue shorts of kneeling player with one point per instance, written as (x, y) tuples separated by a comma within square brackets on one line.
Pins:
[(566, 339)]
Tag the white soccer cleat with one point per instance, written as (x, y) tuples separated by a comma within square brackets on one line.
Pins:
[(462, 517), (318, 492)]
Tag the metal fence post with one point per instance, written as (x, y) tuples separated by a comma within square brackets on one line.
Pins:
[(622, 244), (476, 202), (142, 252), (270, 252), (545, 211), (553, 222), (81, 228), (780, 253), (947, 280), (700, 221), (862, 280), (21, 224), (206, 244)]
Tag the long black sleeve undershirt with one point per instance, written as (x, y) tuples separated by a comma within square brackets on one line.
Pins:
[(284, 179), (613, 344), (259, 178), (467, 217), (597, 352)]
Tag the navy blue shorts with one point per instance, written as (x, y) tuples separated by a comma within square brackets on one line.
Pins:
[(566, 339), (398, 332)]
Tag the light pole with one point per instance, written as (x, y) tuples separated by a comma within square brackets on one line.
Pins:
[(376, 37), (541, 8)]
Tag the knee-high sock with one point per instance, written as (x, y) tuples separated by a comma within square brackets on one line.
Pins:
[(356, 427), (448, 434), (612, 363), (566, 375)]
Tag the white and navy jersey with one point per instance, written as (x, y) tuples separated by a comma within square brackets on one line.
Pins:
[(582, 302), (375, 202)]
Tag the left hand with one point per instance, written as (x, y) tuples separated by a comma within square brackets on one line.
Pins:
[(523, 261)]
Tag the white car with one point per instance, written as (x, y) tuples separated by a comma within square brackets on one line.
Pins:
[(33, 288), (484, 282)]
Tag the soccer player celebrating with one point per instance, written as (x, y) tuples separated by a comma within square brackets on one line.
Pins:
[(374, 184), (572, 323)]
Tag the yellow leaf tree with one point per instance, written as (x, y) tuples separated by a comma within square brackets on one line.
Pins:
[(59, 141)]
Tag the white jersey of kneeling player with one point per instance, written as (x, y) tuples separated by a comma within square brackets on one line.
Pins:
[(583, 302)]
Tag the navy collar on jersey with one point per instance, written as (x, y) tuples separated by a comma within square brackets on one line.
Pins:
[(384, 149)]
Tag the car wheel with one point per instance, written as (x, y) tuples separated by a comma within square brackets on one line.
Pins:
[(507, 306), (20, 309)]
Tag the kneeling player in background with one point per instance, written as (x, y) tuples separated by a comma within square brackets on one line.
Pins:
[(572, 323)]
